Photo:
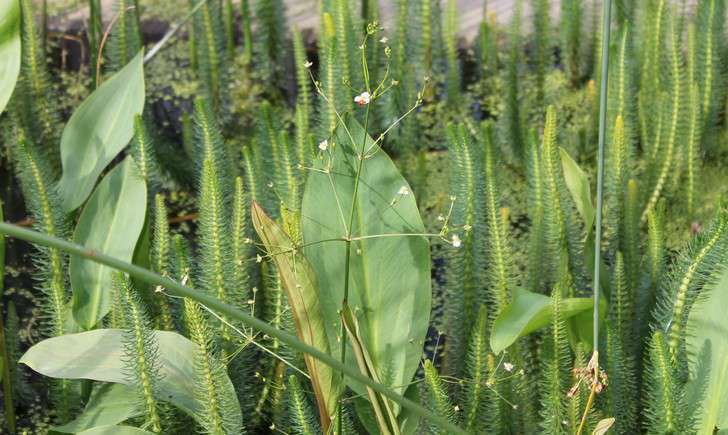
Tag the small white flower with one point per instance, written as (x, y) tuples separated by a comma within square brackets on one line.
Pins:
[(508, 366), (441, 218), (455, 240), (258, 259), (363, 98), (453, 198), (384, 40), (467, 227), (403, 191), (308, 64), (323, 145), (158, 289), (456, 408), (270, 184)]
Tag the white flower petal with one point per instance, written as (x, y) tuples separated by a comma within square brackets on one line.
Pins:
[(363, 99)]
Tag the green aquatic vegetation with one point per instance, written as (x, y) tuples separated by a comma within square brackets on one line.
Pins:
[(386, 231)]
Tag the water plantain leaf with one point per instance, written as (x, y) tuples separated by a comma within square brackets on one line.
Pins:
[(109, 404), (115, 430), (9, 49), (98, 130), (389, 283), (99, 355), (578, 184), (299, 282), (707, 343), (110, 223), (528, 312)]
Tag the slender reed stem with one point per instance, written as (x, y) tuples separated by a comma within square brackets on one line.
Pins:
[(7, 381), (606, 23)]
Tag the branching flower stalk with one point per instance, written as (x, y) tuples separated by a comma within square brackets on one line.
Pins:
[(354, 199)]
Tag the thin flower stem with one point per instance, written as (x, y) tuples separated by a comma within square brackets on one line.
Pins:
[(170, 33), (345, 300)]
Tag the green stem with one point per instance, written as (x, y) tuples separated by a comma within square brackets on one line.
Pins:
[(7, 382), (606, 24), (226, 310), (345, 301)]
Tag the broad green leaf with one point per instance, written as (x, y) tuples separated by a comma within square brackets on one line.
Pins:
[(99, 355), (528, 312), (98, 130), (299, 282), (9, 49), (389, 285), (707, 343), (110, 223), (109, 404), (115, 430), (578, 184)]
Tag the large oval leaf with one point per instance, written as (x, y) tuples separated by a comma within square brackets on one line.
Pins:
[(101, 127), (110, 223), (707, 343), (99, 355), (299, 282), (390, 275), (9, 49), (528, 312)]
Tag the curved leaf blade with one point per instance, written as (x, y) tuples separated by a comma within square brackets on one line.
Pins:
[(98, 130), (578, 184), (389, 276), (528, 312), (299, 282), (110, 223), (99, 355), (9, 49)]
